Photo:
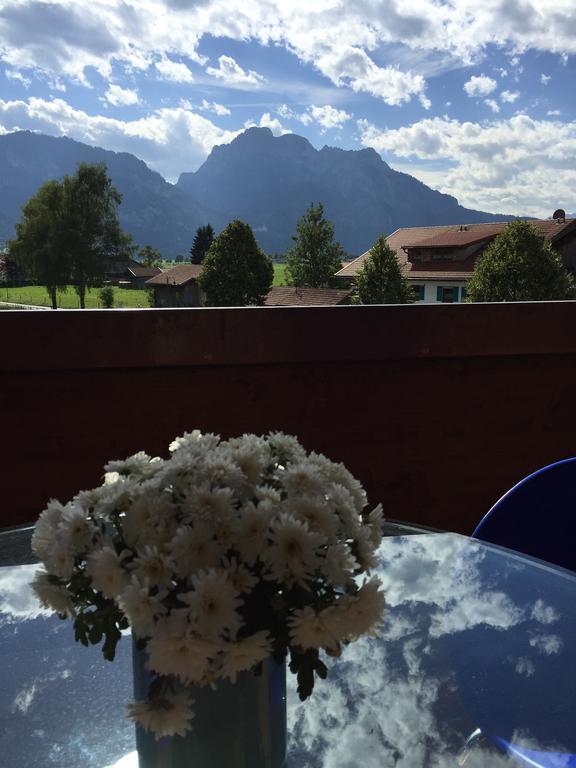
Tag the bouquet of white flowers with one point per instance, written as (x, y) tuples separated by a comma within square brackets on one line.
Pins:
[(222, 555)]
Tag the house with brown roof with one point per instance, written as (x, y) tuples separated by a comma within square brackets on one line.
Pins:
[(177, 287), (130, 274), (287, 296), (439, 261)]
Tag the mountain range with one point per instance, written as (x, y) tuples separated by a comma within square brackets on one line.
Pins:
[(265, 180)]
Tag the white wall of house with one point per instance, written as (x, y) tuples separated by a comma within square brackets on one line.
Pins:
[(431, 290)]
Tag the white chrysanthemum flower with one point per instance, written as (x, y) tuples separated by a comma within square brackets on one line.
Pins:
[(245, 654), (114, 497), (151, 519), (53, 596), (302, 478), (46, 529), (176, 649), (239, 575), (361, 614), (141, 608), (219, 469), (195, 441), (317, 513), (252, 530), (169, 714), (140, 465), (60, 561), (194, 548), (76, 529), (268, 493), (106, 572), (364, 549), (152, 567), (286, 447), (339, 564), (251, 454), (345, 508), (206, 502), (376, 525), (292, 553), (309, 629), (213, 604)]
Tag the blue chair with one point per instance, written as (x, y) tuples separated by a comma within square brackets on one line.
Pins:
[(537, 516)]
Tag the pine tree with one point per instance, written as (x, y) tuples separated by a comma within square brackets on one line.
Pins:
[(380, 280), (203, 239), (314, 258)]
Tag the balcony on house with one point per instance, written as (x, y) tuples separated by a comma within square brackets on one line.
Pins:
[(437, 409)]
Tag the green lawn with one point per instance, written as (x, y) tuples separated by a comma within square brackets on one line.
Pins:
[(37, 294), (279, 270)]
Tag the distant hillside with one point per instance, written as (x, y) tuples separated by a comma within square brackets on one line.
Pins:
[(265, 180), (152, 210), (270, 181)]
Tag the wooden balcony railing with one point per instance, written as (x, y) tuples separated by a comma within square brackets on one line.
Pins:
[(437, 409)]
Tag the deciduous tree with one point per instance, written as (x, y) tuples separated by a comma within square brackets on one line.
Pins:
[(314, 258), (150, 257), (519, 265), (380, 280), (235, 271)]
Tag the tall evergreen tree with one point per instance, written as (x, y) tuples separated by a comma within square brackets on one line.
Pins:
[(314, 258), (203, 239), (235, 272), (380, 280), (519, 265)]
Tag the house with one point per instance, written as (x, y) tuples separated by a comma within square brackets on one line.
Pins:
[(284, 296), (439, 261), (130, 274), (177, 287)]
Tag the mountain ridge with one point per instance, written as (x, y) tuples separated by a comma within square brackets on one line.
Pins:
[(268, 181)]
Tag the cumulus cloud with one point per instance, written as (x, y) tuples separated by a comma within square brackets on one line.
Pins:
[(18, 77), (326, 117), (480, 86), (174, 71), (233, 75), (515, 166), (121, 97), (212, 106), (168, 140), (509, 96), (267, 121), (494, 106), (545, 79)]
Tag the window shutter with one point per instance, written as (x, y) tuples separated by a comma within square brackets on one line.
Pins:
[(455, 294), (439, 293)]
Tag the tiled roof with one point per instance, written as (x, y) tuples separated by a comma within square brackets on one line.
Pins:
[(281, 296), (447, 235), (179, 275), (139, 270)]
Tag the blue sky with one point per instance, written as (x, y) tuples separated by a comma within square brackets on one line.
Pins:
[(477, 100)]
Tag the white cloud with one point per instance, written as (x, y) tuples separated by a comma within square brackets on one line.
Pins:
[(174, 71), (509, 96), (494, 106), (545, 79), (18, 77), (553, 112), (168, 140), (233, 75), (267, 121), (326, 117), (121, 97), (514, 166), (480, 85), (212, 106)]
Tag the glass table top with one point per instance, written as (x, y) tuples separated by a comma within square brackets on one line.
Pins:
[(474, 637)]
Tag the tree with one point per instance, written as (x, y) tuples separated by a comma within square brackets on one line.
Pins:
[(39, 246), (203, 239), (519, 265), (235, 271), (314, 258), (150, 257), (380, 280), (94, 237), (69, 232), (107, 296)]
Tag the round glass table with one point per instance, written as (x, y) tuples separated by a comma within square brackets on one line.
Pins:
[(475, 663)]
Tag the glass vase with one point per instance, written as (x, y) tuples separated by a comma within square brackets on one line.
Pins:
[(235, 725)]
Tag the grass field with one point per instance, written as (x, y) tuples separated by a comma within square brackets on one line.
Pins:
[(279, 270), (37, 294)]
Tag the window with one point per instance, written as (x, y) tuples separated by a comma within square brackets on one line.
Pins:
[(418, 292), (447, 294)]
